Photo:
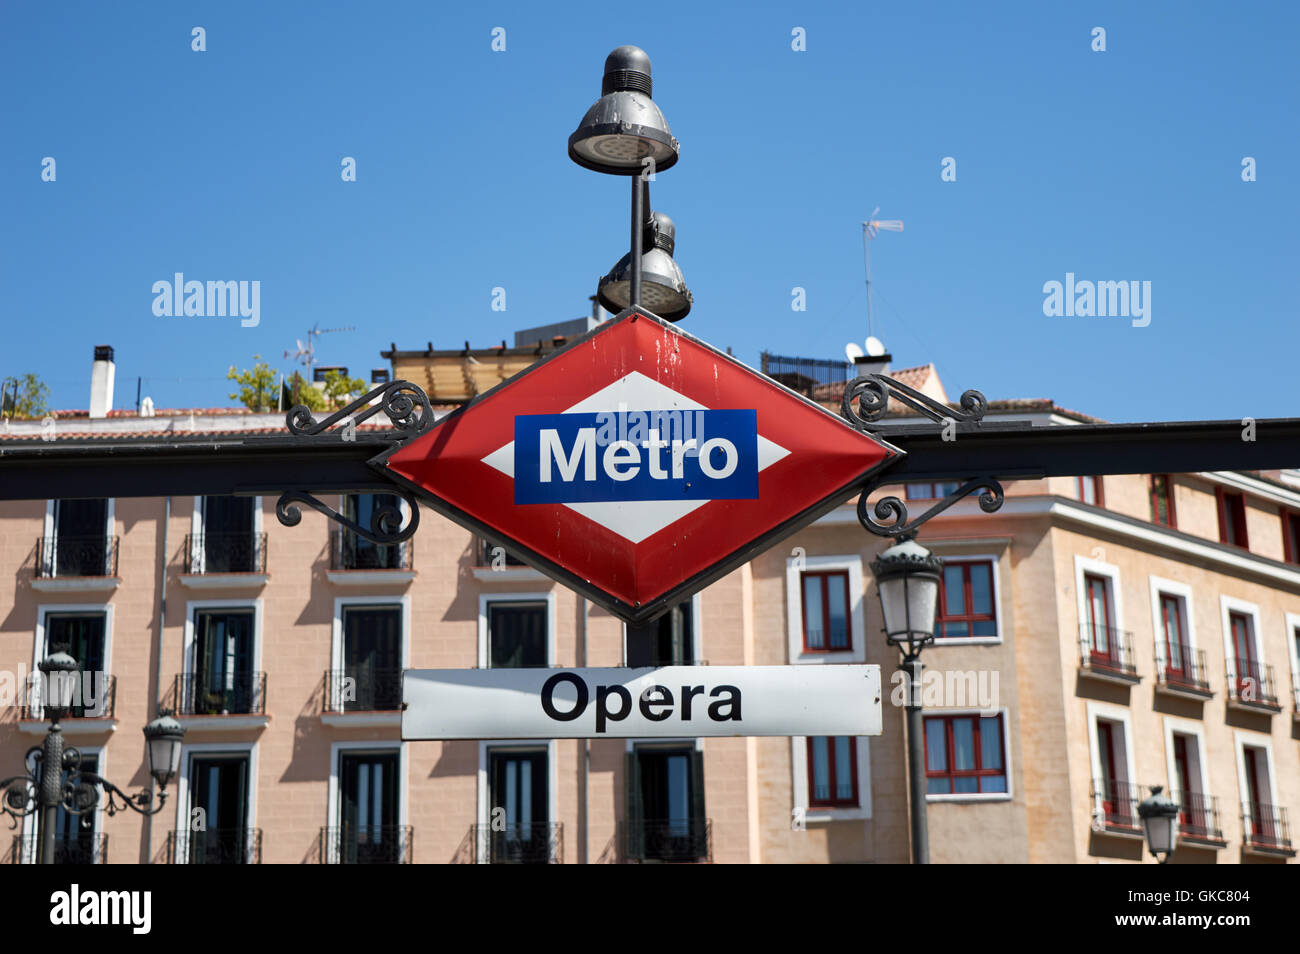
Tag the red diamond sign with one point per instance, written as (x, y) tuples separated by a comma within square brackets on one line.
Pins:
[(637, 465)]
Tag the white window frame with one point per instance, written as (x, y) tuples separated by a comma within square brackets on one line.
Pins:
[(344, 602), (334, 793), (1292, 624), (697, 636), (31, 850), (1084, 566), (1006, 755), (535, 596), (183, 806), (484, 783), (1240, 739), (1195, 729), (49, 528), (197, 529), (1162, 587), (799, 769), (795, 566), (1227, 606), (997, 602), (1110, 713), (43, 610)]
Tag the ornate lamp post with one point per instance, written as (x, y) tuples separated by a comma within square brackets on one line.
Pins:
[(44, 789), (907, 580), (1159, 816)]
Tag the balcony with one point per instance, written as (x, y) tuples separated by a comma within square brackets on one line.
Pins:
[(75, 563), (362, 697), (494, 564), (224, 560), (529, 844), (1114, 808), (1181, 671), (215, 846), (92, 711), (681, 841), (1251, 687), (216, 701), (1107, 653), (85, 848), (358, 562), (366, 845), (1266, 830), (1198, 820)]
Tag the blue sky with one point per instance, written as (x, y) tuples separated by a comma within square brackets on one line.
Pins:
[(225, 165)]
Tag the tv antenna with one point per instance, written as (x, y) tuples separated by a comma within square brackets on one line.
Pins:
[(306, 353), (870, 229)]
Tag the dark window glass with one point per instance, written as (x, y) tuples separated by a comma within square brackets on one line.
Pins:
[(516, 634)]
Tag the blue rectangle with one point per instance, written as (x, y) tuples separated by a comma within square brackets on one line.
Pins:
[(636, 455)]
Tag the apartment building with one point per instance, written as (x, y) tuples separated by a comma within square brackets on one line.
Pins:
[(1096, 636)]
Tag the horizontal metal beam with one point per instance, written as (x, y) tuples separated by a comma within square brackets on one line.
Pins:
[(128, 467)]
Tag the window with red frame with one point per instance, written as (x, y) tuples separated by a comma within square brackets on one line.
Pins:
[(1162, 500), (826, 611), (964, 755), (1232, 518), (1089, 490), (966, 601), (1291, 536), (832, 771)]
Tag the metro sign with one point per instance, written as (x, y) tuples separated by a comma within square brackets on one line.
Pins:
[(637, 464)]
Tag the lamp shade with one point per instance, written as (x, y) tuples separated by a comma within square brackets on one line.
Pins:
[(624, 126), (907, 578), (1159, 816), (62, 682), (663, 289), (164, 736)]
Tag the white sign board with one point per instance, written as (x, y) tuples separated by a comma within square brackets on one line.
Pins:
[(669, 701)]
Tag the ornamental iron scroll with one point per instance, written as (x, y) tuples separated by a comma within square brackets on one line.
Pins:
[(385, 526), (75, 791), (894, 510), (872, 392)]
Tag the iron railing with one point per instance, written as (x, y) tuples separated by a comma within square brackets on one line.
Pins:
[(487, 555), (675, 840), (1198, 817), (61, 555), (349, 552), (227, 693), (363, 690), (1266, 827), (225, 552), (811, 377), (538, 843), (1107, 650), (215, 846), (83, 848), (1252, 684), (1179, 666), (366, 845), (1115, 805), (95, 697)]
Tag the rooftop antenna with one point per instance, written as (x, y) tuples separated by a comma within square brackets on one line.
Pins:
[(306, 353), (870, 229)]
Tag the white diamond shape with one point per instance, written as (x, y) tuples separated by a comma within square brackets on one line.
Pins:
[(637, 519)]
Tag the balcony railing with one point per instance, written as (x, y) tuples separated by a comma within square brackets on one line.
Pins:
[(1252, 684), (229, 693), (1107, 651), (540, 843), (1198, 817), (366, 845), (60, 555), (363, 690), (94, 697), (350, 552), (1266, 827), (84, 848), (225, 552), (488, 556), (215, 846), (676, 840), (1182, 668), (1115, 806)]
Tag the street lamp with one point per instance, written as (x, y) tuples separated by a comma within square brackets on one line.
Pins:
[(44, 789), (907, 581), (1159, 816), (664, 289)]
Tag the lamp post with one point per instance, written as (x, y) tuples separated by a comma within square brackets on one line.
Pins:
[(1159, 816), (44, 789), (907, 581)]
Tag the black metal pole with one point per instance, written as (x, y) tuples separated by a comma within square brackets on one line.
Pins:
[(51, 790), (916, 761), (638, 222)]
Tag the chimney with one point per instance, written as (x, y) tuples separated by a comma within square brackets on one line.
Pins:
[(101, 382), (872, 364), (598, 314)]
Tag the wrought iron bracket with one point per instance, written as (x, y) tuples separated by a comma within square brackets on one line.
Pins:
[(872, 392), (78, 793), (894, 510), (385, 526)]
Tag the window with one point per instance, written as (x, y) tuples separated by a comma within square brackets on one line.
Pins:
[(1194, 815), (826, 611), (1162, 500), (667, 641), (665, 811), (228, 542), (372, 658), (1232, 518), (1178, 664), (368, 818), (966, 601), (75, 840), (964, 755), (931, 491), (832, 771), (1097, 621), (1245, 666), (82, 636), (358, 553), (517, 795), (1114, 791), (1261, 818), (1291, 536), (81, 545), (218, 786), (1089, 490), (221, 680), (516, 634)]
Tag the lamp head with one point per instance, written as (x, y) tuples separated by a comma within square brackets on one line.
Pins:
[(624, 127)]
